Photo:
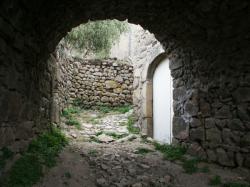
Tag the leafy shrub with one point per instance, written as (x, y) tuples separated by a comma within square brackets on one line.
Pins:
[(95, 37)]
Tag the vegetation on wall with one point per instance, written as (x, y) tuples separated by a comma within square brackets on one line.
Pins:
[(42, 152), (95, 37)]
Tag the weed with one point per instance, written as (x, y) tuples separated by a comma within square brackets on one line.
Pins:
[(104, 109), (215, 181), (67, 112), (143, 151), (93, 121), (99, 133), (42, 151), (93, 153), (123, 109), (190, 166), (94, 139), (67, 175), (73, 122), (130, 125), (78, 103), (120, 109), (170, 152), (116, 136)]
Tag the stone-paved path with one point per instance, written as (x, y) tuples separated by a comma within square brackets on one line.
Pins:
[(110, 162)]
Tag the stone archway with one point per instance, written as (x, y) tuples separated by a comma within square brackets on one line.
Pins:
[(208, 43)]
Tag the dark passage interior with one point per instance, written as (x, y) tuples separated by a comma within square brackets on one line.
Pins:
[(207, 43)]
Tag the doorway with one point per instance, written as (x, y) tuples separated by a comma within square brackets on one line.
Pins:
[(162, 103)]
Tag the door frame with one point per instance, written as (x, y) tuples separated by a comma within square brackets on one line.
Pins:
[(148, 118)]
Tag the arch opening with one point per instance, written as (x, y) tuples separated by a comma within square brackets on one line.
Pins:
[(162, 103)]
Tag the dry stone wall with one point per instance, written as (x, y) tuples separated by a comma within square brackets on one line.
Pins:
[(95, 82), (211, 108)]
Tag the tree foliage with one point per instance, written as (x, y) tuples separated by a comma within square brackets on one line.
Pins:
[(96, 37)]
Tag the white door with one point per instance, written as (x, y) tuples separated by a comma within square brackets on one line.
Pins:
[(162, 103)]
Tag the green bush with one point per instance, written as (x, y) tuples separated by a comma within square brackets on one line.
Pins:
[(95, 37), (42, 151)]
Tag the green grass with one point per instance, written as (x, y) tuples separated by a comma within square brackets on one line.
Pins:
[(120, 109), (115, 135), (94, 139), (5, 154), (67, 112), (190, 166), (73, 122), (170, 152), (215, 181), (93, 120), (143, 151), (42, 152), (130, 125), (99, 133)]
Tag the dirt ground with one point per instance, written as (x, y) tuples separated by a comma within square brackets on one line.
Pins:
[(128, 160)]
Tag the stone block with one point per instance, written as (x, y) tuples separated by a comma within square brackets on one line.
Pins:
[(175, 64), (190, 109), (224, 158), (111, 84), (223, 113), (211, 155), (180, 128), (213, 135), (194, 122), (236, 124), (242, 95), (210, 123), (197, 134), (179, 94)]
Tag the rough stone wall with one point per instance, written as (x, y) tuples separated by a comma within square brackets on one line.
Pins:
[(144, 52), (25, 93), (211, 108), (95, 82)]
